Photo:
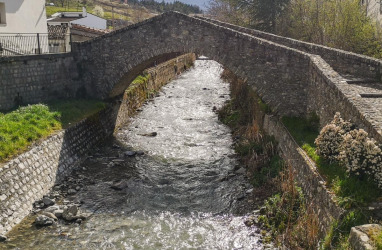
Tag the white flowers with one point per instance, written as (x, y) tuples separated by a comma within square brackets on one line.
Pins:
[(360, 155)]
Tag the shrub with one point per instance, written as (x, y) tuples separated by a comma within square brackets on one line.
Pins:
[(361, 155), (331, 137)]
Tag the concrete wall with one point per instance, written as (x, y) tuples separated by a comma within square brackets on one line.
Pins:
[(24, 16), (29, 176)]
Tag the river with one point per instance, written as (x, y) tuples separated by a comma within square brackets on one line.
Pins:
[(182, 190)]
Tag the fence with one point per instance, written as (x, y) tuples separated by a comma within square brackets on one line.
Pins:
[(12, 44)]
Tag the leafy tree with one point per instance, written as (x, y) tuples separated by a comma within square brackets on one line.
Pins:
[(264, 13)]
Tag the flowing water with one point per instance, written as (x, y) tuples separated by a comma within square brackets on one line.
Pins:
[(184, 192)]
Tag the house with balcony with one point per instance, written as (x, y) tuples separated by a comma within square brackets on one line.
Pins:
[(20, 22)]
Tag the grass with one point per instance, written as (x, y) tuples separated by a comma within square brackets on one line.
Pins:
[(72, 111), (50, 10), (350, 191), (22, 127)]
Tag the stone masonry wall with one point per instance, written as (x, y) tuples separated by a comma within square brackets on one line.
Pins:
[(342, 61), (278, 73), (312, 184), (327, 90), (29, 176), (37, 78), (135, 96)]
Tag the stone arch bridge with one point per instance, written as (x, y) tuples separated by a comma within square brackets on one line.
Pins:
[(293, 77)]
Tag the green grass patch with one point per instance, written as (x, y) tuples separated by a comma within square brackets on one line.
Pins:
[(18, 129), (72, 111), (350, 191), (50, 10), (22, 127)]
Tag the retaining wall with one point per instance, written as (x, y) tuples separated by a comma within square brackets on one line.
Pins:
[(306, 174)]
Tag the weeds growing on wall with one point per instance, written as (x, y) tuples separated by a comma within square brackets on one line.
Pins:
[(257, 151), (290, 220), (351, 193)]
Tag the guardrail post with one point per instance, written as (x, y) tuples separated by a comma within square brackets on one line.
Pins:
[(38, 43)]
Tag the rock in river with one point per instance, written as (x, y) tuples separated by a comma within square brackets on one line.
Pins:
[(48, 202), (119, 185), (43, 220)]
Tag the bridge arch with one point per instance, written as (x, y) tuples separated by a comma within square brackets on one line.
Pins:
[(277, 73)]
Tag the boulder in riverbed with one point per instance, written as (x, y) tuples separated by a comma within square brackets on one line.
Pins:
[(120, 185), (70, 213), (43, 221)]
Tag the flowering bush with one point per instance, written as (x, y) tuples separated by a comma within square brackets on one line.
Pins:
[(331, 137), (360, 155)]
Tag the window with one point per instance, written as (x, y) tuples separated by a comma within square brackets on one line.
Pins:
[(2, 13)]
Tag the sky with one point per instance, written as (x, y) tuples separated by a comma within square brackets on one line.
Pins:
[(201, 3)]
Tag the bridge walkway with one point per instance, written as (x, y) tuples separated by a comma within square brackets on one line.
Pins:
[(367, 92)]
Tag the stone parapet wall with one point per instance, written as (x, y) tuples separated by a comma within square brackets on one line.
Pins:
[(38, 78), (330, 93), (342, 61), (306, 174)]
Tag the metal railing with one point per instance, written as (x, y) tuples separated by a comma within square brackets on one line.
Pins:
[(12, 44)]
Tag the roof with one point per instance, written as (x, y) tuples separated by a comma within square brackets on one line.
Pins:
[(57, 31), (92, 32), (63, 19)]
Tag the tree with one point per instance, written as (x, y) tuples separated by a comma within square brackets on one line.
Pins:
[(341, 24), (264, 13), (98, 11)]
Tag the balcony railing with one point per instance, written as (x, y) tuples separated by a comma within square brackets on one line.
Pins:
[(12, 44)]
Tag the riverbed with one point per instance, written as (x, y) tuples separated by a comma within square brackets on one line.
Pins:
[(179, 183)]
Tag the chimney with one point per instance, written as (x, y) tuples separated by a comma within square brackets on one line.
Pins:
[(84, 13)]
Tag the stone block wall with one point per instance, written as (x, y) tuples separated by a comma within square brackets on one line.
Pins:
[(135, 96), (330, 93), (279, 73), (29, 176), (36, 78), (306, 174), (342, 61)]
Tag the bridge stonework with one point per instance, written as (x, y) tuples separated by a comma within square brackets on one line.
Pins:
[(293, 77)]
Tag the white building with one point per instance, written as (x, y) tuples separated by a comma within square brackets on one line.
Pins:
[(373, 9), (23, 16), (20, 22), (81, 18)]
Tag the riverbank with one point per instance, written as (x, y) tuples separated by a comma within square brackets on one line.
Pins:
[(169, 179), (28, 177)]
